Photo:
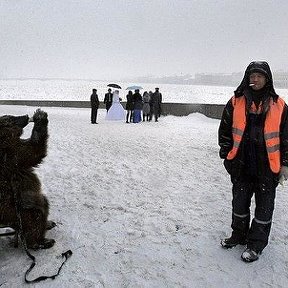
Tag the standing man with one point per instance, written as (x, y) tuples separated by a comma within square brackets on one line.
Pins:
[(160, 103), (253, 140), (94, 100), (108, 99), (156, 100)]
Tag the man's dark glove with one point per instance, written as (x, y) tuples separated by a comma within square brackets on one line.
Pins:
[(283, 175)]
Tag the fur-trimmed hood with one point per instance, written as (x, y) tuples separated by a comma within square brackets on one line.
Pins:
[(260, 67)]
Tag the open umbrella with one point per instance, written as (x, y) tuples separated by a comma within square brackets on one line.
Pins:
[(114, 86), (135, 87)]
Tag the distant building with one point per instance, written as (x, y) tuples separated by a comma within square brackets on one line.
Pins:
[(280, 79), (221, 79)]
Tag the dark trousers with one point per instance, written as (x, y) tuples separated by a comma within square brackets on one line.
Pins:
[(94, 111), (146, 116), (154, 112), (258, 232), (129, 116), (108, 105)]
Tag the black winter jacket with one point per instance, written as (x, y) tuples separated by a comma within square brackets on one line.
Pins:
[(252, 156), (138, 101), (94, 100)]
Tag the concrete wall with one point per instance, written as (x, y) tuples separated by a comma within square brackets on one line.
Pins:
[(176, 109)]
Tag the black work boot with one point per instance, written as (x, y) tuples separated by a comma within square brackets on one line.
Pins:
[(233, 241), (250, 255)]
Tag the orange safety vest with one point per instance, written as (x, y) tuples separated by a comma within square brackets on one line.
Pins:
[(271, 128)]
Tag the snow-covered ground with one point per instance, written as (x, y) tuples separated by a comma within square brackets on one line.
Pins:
[(141, 205)]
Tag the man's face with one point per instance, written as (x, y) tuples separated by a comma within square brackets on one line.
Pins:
[(258, 79)]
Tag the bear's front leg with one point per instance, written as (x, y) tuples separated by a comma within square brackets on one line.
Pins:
[(40, 130), (30, 152)]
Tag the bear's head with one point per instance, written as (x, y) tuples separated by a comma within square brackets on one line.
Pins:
[(11, 128)]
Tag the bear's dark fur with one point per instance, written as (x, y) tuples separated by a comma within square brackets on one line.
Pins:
[(19, 185)]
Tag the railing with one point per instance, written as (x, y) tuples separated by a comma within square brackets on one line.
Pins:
[(176, 109)]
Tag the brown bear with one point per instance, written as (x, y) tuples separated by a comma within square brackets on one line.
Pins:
[(23, 207)]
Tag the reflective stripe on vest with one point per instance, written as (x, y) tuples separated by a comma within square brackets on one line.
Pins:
[(271, 129)]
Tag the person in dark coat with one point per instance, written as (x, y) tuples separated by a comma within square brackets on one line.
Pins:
[(156, 101), (253, 140), (94, 100), (151, 105), (138, 105), (108, 99), (160, 103), (129, 107), (146, 106)]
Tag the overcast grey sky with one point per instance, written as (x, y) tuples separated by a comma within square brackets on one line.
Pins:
[(106, 39)]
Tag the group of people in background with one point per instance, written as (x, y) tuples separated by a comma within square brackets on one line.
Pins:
[(138, 108), (142, 108)]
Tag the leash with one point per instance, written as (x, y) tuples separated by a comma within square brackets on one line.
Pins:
[(66, 254)]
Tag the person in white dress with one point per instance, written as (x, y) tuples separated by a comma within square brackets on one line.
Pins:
[(116, 111)]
